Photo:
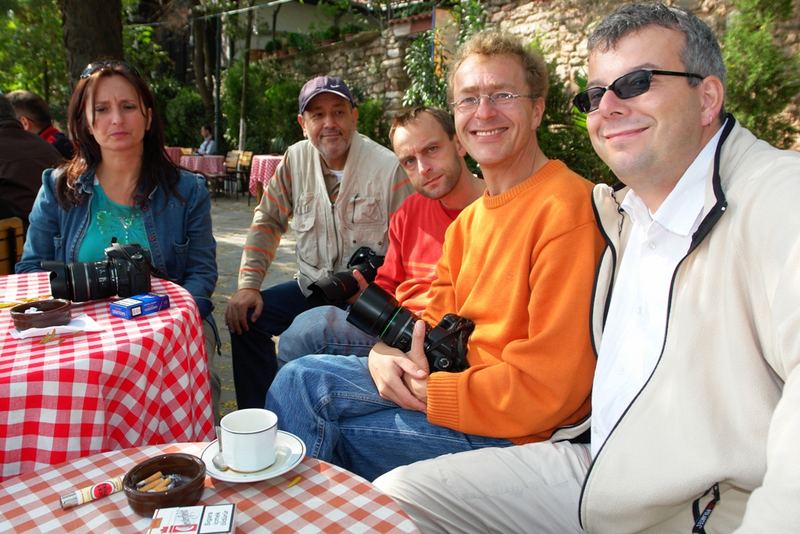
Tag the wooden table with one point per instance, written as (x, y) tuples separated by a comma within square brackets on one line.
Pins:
[(325, 499), (137, 382)]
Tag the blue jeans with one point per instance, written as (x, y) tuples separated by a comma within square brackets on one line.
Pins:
[(331, 403), (323, 330), (253, 351)]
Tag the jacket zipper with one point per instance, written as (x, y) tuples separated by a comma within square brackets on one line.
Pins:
[(708, 222)]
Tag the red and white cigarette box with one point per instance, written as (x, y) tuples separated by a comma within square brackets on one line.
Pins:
[(201, 519)]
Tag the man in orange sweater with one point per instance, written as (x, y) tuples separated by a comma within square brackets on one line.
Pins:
[(519, 262)]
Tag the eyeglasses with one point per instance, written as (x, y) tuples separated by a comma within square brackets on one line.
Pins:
[(95, 66), (628, 86), (501, 99)]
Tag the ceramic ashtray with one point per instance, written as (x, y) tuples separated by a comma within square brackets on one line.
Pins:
[(41, 314)]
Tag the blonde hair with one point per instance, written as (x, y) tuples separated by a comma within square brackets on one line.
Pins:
[(493, 43)]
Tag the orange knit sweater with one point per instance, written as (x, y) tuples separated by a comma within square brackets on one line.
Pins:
[(520, 265)]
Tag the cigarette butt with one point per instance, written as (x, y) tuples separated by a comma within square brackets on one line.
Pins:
[(161, 486), (151, 485), (294, 481), (154, 476)]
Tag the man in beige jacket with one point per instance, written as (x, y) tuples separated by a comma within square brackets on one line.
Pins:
[(337, 190), (695, 397)]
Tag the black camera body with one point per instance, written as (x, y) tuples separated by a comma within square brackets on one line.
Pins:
[(378, 313), (339, 287), (124, 272)]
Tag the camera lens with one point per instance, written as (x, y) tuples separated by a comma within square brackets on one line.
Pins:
[(81, 281), (377, 313), (336, 288), (59, 279), (91, 281)]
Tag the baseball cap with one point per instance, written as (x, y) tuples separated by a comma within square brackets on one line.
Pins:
[(323, 84)]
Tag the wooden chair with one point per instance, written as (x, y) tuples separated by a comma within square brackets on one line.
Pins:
[(231, 166), (11, 240), (243, 174)]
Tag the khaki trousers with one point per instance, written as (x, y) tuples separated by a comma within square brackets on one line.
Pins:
[(531, 488)]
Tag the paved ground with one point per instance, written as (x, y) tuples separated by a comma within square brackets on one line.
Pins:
[(231, 218)]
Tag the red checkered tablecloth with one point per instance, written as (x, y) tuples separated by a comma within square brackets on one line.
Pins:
[(138, 382), (262, 168), (174, 153), (206, 165), (326, 499)]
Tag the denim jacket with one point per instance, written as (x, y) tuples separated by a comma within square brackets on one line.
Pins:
[(181, 242)]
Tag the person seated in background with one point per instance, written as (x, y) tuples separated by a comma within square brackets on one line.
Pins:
[(337, 189), (209, 146), (695, 318), (123, 186), (23, 158), (424, 140), (34, 114), (518, 262)]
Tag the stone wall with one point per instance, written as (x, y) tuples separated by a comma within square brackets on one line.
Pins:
[(372, 62)]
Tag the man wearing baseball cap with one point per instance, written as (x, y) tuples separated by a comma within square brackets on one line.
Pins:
[(336, 189)]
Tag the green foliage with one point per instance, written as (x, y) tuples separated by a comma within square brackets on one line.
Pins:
[(428, 85), (425, 58), (32, 52), (562, 134), (299, 41), (271, 104), (762, 79), (372, 122), (183, 117), (470, 17), (147, 56)]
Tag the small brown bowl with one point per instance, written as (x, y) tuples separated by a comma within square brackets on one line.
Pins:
[(53, 312), (192, 474)]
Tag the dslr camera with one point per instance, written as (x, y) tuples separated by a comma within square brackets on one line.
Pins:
[(377, 313), (124, 272), (339, 287)]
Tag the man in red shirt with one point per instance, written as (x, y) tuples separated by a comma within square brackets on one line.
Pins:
[(424, 141), (34, 114)]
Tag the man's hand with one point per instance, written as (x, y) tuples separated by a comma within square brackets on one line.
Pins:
[(238, 306), (362, 285), (389, 367), (418, 384)]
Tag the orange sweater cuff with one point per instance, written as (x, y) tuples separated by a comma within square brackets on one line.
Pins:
[(443, 399)]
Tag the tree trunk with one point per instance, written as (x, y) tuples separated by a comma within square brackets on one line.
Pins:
[(199, 65), (92, 31)]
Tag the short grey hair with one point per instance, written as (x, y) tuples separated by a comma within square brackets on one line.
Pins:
[(701, 53)]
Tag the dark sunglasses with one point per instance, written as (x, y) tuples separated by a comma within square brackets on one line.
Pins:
[(95, 66), (628, 86)]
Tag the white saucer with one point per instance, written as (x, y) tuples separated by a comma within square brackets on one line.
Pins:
[(289, 451)]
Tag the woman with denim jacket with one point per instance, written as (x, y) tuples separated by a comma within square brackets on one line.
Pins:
[(121, 185)]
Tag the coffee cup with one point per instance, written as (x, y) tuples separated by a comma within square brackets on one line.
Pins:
[(248, 438)]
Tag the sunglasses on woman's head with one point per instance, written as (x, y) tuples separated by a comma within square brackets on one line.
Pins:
[(95, 66), (628, 86)]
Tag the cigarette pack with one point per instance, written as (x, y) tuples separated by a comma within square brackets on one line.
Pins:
[(138, 305), (201, 519)]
